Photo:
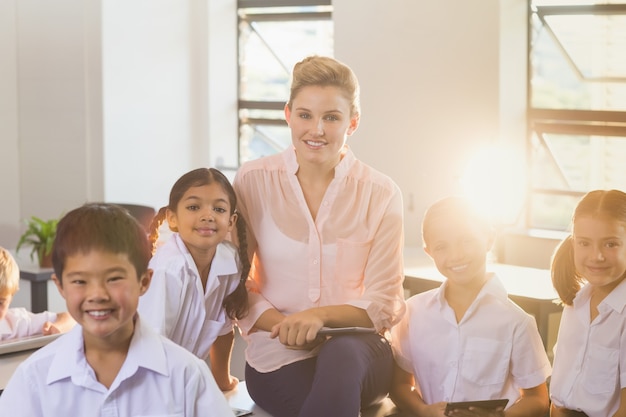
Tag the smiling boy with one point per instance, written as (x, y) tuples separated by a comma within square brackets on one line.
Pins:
[(110, 364)]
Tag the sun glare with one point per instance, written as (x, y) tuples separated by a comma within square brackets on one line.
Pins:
[(495, 181)]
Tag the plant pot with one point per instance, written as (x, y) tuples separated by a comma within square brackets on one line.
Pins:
[(46, 261)]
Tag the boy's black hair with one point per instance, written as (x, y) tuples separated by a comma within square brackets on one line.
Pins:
[(100, 226)]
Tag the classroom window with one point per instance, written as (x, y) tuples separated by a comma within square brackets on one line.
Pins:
[(577, 105), (273, 36)]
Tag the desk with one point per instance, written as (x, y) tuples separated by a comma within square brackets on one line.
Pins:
[(14, 351), (9, 363), (38, 278), (530, 288)]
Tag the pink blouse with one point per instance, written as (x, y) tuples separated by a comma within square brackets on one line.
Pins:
[(350, 254)]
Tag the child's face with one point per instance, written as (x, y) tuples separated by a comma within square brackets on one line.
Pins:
[(600, 250), (6, 297), (459, 249), (101, 290), (203, 218)]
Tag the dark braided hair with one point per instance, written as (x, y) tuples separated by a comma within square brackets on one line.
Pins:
[(236, 303)]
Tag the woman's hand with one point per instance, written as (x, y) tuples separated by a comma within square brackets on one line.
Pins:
[(433, 410), (228, 385), (299, 330)]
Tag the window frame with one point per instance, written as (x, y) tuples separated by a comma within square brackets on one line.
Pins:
[(542, 121)]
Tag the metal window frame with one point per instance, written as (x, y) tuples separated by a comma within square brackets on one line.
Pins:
[(563, 121), (243, 4)]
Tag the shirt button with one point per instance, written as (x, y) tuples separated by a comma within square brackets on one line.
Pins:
[(315, 261)]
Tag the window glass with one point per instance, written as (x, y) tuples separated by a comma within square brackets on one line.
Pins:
[(579, 62), (579, 163), (269, 50), (577, 106)]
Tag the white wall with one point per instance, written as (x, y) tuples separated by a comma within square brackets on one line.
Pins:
[(54, 116), (50, 147), (147, 97), (430, 79), (109, 101), (9, 165), (169, 93)]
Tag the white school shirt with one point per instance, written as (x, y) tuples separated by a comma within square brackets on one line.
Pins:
[(178, 307), (158, 378), (590, 358), (494, 351), (19, 322)]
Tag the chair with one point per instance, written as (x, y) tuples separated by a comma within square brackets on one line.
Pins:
[(143, 214)]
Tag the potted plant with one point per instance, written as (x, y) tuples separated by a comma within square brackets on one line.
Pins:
[(39, 235)]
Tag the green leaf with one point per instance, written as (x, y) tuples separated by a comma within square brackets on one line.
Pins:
[(39, 235)]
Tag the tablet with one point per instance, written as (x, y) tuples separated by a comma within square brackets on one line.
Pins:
[(240, 412), (26, 343), (345, 330), (486, 404)]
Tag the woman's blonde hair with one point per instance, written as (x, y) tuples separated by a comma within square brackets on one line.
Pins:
[(324, 71)]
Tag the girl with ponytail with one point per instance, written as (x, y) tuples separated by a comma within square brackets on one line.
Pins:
[(199, 283), (588, 271)]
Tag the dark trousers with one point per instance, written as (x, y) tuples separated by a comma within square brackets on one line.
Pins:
[(350, 372)]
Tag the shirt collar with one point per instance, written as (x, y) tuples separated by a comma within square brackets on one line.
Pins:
[(615, 300), (183, 249), (69, 359), (224, 262), (493, 287), (143, 352), (69, 356)]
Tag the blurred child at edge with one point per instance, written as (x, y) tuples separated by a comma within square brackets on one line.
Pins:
[(18, 322), (466, 340)]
